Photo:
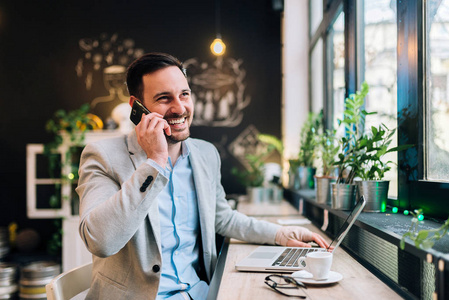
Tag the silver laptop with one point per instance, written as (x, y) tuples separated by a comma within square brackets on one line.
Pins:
[(285, 259)]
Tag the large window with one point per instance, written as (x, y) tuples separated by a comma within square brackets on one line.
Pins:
[(437, 93), (380, 72), (401, 49), (316, 15), (316, 74), (337, 63)]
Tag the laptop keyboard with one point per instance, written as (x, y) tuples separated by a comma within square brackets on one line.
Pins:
[(290, 256)]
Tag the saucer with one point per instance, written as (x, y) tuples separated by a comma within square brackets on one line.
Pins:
[(306, 277)]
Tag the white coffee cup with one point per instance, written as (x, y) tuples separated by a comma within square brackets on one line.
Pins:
[(318, 263)]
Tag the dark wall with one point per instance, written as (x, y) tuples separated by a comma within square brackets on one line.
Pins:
[(39, 52)]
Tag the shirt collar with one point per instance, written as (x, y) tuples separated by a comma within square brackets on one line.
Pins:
[(185, 151)]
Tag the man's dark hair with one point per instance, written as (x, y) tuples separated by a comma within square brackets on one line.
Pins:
[(146, 64)]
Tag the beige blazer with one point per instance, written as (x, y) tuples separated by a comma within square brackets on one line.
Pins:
[(119, 216)]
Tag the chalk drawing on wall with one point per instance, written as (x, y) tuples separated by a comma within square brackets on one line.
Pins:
[(108, 55), (218, 91), (247, 143), (221, 147)]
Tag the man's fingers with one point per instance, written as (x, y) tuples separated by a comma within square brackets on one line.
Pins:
[(162, 125), (167, 128), (320, 240), (296, 243)]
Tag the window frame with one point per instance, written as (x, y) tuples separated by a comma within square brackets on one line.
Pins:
[(331, 10), (414, 191)]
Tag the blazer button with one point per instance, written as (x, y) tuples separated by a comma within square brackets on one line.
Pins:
[(156, 268), (149, 179)]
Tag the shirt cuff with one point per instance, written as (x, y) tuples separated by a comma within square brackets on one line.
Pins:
[(155, 165)]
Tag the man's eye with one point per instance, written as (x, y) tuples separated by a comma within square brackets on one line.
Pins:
[(186, 94)]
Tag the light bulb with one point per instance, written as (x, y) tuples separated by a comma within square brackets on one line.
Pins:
[(218, 47)]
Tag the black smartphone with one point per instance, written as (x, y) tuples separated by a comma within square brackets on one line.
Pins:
[(137, 111)]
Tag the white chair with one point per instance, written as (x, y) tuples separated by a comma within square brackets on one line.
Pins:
[(69, 284)]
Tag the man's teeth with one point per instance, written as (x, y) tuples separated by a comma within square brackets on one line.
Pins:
[(176, 121)]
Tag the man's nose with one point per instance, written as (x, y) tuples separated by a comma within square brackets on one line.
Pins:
[(177, 106)]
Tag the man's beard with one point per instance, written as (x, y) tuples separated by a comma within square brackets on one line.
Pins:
[(173, 140), (185, 134)]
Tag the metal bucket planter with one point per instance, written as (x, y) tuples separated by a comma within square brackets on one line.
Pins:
[(305, 175), (293, 180), (323, 189), (256, 194), (343, 195), (375, 193)]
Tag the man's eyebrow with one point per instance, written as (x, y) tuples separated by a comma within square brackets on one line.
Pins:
[(161, 94), (168, 93)]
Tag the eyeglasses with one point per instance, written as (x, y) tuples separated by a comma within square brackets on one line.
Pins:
[(277, 282)]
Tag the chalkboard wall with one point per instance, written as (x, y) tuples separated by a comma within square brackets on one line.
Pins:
[(46, 65)]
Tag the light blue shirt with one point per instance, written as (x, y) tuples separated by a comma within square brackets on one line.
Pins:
[(179, 219)]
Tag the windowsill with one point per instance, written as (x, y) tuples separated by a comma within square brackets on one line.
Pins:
[(388, 226), (374, 241)]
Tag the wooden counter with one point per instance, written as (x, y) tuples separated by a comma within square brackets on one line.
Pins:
[(357, 282)]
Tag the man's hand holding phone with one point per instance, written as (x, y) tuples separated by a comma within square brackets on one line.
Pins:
[(151, 132)]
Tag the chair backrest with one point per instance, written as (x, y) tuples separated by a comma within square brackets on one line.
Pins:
[(69, 284)]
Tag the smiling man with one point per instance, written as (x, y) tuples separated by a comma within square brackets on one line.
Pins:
[(151, 202)]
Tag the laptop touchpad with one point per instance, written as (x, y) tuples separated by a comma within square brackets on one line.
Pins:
[(263, 255)]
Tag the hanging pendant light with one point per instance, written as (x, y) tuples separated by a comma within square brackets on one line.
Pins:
[(217, 47)]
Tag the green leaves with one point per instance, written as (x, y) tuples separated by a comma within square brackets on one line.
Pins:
[(308, 139), (424, 238), (364, 151), (353, 143), (273, 141), (74, 124), (254, 175), (328, 149)]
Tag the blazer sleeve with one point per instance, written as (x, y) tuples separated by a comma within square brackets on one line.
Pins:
[(234, 224), (112, 203)]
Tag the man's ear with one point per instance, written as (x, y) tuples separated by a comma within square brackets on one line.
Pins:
[(131, 100)]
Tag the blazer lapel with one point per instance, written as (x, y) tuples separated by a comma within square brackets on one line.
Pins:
[(138, 157)]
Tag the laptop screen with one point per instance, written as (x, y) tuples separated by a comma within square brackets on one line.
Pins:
[(348, 223)]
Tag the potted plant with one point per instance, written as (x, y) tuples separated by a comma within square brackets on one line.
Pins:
[(293, 177), (328, 149), (352, 147), (68, 128), (372, 185), (304, 165), (274, 185), (253, 177), (362, 157)]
